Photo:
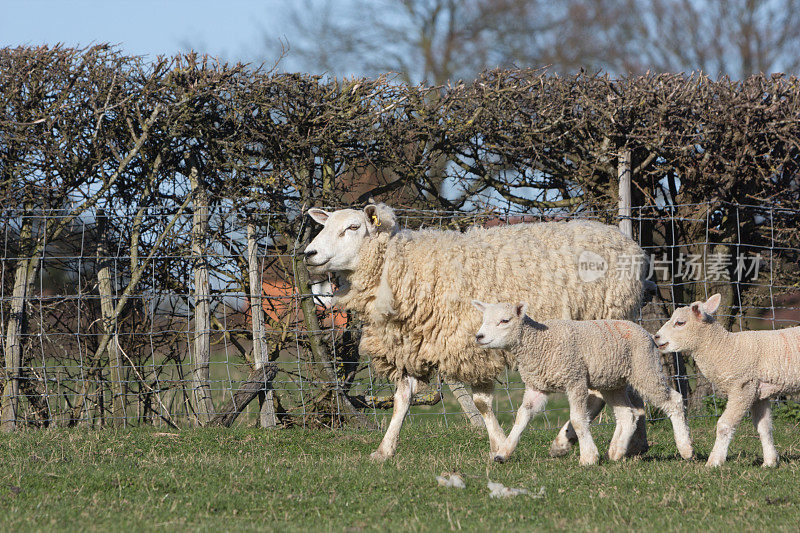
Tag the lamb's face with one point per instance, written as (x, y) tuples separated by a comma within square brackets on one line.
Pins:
[(685, 326), (502, 324)]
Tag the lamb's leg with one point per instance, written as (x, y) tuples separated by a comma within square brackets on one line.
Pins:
[(638, 444), (579, 417), (625, 423), (482, 395), (761, 412), (567, 436), (532, 403), (739, 401), (671, 402), (402, 401)]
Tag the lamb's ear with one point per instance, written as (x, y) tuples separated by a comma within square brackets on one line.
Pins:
[(712, 304), (521, 309), (697, 310), (319, 215), (480, 306), (381, 218)]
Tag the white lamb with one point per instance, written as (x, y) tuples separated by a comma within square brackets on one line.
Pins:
[(750, 367), (412, 289), (573, 356)]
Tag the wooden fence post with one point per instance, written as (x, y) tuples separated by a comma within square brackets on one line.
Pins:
[(624, 174), (267, 417), (203, 404)]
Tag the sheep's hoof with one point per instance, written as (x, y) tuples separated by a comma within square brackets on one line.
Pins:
[(590, 460), (500, 459), (378, 457), (687, 454), (615, 455), (713, 462), (560, 449), (770, 464)]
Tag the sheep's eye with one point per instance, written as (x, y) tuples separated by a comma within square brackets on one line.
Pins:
[(505, 321), (354, 226), (679, 323)]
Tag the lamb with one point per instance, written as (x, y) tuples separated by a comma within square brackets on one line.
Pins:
[(573, 356), (750, 367), (412, 290)]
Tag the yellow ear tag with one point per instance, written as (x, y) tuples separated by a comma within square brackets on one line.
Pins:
[(375, 221)]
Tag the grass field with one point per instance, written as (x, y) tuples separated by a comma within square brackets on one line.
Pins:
[(248, 479)]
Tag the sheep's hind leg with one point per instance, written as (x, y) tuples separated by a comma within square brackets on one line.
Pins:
[(672, 404), (579, 416), (762, 420), (402, 401), (567, 437), (625, 423), (482, 395), (532, 403)]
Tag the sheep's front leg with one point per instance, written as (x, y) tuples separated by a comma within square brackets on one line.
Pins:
[(579, 417), (567, 436), (482, 395), (532, 403), (762, 420), (402, 401), (739, 401)]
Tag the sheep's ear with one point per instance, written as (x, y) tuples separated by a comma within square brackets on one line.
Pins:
[(319, 215), (712, 304), (696, 310), (480, 306), (381, 218), (520, 309)]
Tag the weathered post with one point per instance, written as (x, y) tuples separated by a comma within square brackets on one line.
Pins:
[(267, 417), (203, 405)]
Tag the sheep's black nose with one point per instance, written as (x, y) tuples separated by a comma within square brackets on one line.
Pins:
[(479, 337), (309, 254), (656, 336)]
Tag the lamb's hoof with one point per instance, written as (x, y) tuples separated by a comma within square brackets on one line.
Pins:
[(770, 463), (590, 460), (500, 459), (378, 456), (687, 455), (713, 462), (560, 449), (615, 455)]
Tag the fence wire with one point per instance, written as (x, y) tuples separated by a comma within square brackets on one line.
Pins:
[(115, 326)]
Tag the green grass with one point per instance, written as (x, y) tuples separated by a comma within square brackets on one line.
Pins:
[(248, 479)]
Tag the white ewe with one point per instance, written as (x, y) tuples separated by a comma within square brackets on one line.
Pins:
[(573, 356), (413, 290), (749, 366)]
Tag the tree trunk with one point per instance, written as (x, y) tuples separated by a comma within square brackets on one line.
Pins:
[(259, 381), (267, 417), (321, 366), (464, 398), (203, 405)]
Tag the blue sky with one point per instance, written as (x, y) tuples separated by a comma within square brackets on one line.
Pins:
[(230, 29)]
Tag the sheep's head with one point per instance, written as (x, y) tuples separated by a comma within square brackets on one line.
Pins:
[(502, 324), (685, 327), (335, 248)]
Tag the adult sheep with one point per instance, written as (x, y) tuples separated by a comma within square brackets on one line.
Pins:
[(413, 290)]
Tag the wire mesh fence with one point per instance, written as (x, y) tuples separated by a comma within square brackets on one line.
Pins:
[(155, 316)]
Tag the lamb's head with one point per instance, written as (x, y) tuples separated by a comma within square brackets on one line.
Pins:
[(502, 324), (336, 247), (686, 326)]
